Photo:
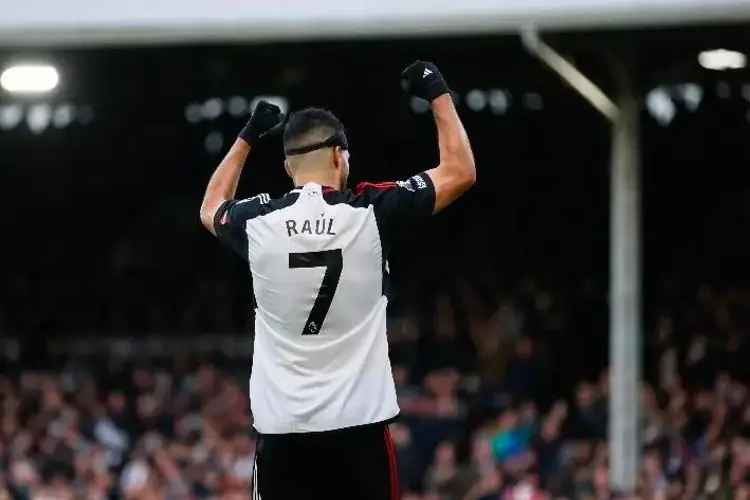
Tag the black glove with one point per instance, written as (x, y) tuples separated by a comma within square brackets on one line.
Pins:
[(423, 79), (266, 119)]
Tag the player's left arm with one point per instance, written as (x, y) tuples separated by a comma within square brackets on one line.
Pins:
[(221, 214), (266, 119), (223, 184)]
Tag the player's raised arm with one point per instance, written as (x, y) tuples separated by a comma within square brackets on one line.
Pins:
[(266, 119), (456, 172)]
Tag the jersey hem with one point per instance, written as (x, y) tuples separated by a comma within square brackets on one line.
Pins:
[(349, 428)]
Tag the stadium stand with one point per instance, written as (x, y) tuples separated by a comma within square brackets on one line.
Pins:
[(126, 334)]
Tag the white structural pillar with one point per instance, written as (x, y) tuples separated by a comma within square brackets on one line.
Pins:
[(625, 297), (625, 256)]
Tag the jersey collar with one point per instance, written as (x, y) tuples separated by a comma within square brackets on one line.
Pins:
[(326, 189)]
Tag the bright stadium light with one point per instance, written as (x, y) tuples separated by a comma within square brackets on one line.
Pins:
[(29, 78), (278, 100), (722, 59)]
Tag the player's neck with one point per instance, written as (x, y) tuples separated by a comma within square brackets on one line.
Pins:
[(317, 178)]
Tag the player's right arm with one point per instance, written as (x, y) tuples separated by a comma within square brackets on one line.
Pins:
[(456, 172)]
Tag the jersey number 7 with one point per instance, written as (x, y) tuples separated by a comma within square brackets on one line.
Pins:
[(333, 261)]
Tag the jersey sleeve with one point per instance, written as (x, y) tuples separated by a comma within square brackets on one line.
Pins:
[(398, 205), (230, 221)]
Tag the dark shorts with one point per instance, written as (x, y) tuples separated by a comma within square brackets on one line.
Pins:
[(358, 463)]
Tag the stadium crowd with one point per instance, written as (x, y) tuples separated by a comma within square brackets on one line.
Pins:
[(497, 406), (117, 381)]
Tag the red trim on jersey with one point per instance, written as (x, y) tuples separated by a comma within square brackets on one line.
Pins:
[(377, 185), (392, 467)]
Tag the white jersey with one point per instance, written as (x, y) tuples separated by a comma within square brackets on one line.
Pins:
[(318, 259)]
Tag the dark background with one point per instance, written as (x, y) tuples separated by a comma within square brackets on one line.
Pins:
[(102, 251), (101, 215)]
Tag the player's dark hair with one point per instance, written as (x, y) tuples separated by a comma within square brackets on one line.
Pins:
[(313, 128)]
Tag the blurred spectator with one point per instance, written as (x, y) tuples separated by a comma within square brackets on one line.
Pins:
[(122, 423)]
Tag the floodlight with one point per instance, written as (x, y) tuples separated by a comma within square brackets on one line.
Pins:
[(722, 59), (29, 78)]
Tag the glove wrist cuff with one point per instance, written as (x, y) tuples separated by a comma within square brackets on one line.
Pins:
[(436, 89), (246, 134), (435, 96)]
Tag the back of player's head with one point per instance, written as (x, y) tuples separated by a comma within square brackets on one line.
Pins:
[(313, 128), (315, 141)]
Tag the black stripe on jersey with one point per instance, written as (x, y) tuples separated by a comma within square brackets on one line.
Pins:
[(232, 217), (386, 281), (359, 199), (395, 206)]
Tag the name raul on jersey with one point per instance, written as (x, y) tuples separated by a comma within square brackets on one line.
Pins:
[(321, 226)]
